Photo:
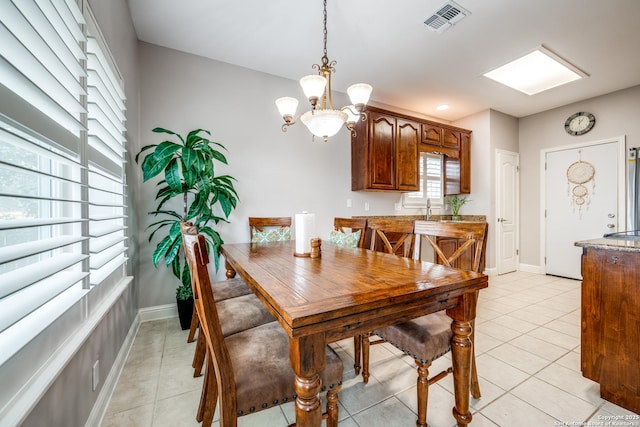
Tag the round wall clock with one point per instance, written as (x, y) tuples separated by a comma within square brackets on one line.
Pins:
[(579, 123)]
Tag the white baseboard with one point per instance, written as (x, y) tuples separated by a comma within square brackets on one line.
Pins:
[(528, 268), (158, 312), (102, 402), (491, 271)]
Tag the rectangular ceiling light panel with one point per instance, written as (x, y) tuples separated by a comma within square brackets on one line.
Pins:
[(536, 72)]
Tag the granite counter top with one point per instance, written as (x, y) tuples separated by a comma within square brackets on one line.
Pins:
[(611, 243), (463, 218)]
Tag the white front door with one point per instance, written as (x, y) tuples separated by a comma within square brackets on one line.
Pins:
[(582, 187), (507, 184)]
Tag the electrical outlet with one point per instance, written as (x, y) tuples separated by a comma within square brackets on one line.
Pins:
[(348, 203), (95, 375), (398, 206), (366, 206)]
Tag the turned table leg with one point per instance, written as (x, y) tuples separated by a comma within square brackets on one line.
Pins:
[(230, 273), (308, 359), (461, 348)]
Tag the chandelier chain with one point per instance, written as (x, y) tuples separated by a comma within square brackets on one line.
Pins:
[(325, 58)]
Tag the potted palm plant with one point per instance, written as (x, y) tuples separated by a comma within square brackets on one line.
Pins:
[(455, 202), (188, 167)]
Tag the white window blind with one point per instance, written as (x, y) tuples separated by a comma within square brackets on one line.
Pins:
[(62, 178), (430, 182), (106, 158)]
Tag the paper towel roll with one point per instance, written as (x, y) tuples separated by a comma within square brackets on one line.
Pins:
[(305, 230)]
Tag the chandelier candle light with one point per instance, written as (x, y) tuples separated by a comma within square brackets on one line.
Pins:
[(323, 120)]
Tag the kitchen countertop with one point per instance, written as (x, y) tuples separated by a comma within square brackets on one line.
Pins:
[(611, 243), (463, 218)]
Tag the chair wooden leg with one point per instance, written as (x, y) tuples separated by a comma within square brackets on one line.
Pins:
[(423, 392), (332, 408), (194, 325), (365, 357), (198, 356), (357, 353), (475, 385)]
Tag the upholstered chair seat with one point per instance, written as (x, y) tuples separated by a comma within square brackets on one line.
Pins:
[(263, 376), (241, 313), (425, 338)]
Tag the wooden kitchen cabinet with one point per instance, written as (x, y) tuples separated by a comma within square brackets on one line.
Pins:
[(457, 171), (437, 139), (384, 153), (610, 335)]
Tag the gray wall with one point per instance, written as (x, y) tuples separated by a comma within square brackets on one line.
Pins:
[(616, 115)]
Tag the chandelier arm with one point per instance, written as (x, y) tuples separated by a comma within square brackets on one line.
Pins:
[(289, 122)]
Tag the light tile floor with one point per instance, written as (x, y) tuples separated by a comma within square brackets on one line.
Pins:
[(527, 352)]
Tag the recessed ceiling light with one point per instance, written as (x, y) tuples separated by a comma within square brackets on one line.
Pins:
[(536, 72), (442, 107)]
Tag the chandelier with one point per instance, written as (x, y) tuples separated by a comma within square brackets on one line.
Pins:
[(323, 120)]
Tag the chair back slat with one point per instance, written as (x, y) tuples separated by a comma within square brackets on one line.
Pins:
[(258, 223), (195, 248), (354, 224), (467, 233), (392, 236)]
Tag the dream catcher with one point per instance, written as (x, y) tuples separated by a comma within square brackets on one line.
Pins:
[(580, 174)]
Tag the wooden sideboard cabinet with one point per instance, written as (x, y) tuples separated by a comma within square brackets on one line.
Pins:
[(610, 336), (384, 153)]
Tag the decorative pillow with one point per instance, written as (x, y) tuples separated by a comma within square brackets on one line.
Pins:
[(345, 240), (276, 235)]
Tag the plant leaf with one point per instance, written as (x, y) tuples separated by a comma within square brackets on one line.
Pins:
[(172, 176), (162, 130)]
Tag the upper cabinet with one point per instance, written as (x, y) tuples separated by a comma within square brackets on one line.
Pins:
[(384, 153), (438, 139), (386, 147), (457, 170)]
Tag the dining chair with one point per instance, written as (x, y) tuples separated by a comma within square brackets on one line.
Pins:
[(396, 237), (267, 229), (248, 371), (343, 228), (260, 229), (238, 309), (428, 337)]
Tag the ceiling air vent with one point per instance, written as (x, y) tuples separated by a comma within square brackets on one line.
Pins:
[(446, 16)]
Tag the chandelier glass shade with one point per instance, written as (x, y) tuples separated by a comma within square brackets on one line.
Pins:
[(323, 120)]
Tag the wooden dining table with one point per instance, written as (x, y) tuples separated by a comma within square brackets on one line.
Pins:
[(350, 291)]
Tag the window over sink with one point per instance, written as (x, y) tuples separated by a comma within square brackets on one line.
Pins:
[(431, 188)]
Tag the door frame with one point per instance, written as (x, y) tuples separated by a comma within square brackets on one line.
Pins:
[(516, 220), (621, 215)]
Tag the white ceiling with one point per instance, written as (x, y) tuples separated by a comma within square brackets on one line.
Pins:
[(385, 43)]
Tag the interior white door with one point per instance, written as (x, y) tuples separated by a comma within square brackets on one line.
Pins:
[(507, 211), (581, 202)]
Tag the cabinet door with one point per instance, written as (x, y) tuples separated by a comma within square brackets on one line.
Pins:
[(431, 135), (451, 139), (457, 172), (449, 246), (465, 163), (407, 141), (382, 151)]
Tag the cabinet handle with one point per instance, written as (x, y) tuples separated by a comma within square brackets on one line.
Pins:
[(613, 260)]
